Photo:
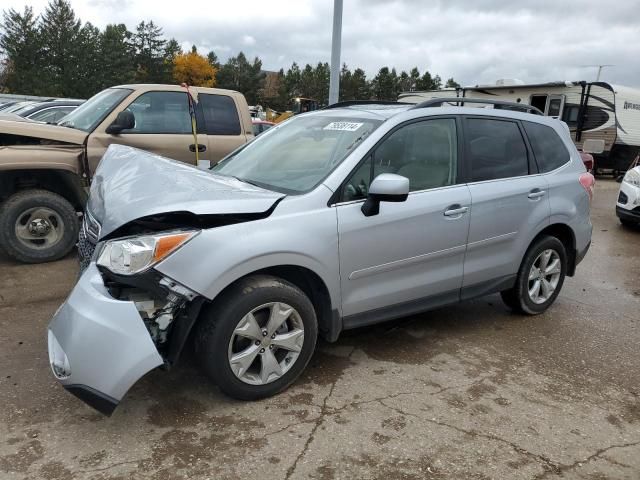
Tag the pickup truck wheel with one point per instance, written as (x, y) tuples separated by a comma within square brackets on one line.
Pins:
[(37, 226), (540, 277), (257, 338)]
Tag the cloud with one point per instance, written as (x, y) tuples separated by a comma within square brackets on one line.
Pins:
[(248, 40), (474, 41)]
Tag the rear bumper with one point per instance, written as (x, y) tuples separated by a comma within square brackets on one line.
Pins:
[(99, 346)]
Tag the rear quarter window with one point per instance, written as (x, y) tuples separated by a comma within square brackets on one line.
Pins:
[(548, 149), (220, 114)]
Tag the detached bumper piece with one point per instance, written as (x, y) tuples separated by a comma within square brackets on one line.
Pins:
[(99, 346)]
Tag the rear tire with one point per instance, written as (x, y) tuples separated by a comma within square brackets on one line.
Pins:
[(38, 226), (540, 277), (234, 329)]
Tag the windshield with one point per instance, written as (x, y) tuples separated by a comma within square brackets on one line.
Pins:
[(296, 156), (89, 115)]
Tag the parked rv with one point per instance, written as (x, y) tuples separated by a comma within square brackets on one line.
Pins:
[(604, 119)]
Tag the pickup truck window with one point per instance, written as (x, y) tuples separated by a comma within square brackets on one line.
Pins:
[(92, 112), (220, 114), (161, 112)]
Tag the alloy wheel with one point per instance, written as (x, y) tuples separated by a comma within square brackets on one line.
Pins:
[(544, 276), (266, 343)]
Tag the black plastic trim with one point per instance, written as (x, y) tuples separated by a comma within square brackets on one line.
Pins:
[(182, 327), (521, 107), (487, 288), (400, 310), (95, 399), (633, 215), (580, 255), (353, 103)]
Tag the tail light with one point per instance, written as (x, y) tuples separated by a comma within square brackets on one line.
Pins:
[(588, 182)]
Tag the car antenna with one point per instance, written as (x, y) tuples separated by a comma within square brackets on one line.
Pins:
[(192, 114)]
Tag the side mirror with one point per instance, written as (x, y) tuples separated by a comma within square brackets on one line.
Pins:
[(386, 187), (124, 121)]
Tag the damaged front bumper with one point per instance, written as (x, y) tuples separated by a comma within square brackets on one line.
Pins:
[(98, 345)]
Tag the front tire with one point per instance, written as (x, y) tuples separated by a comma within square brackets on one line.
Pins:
[(540, 277), (38, 226), (257, 338)]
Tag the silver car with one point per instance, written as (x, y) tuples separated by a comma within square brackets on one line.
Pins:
[(333, 220)]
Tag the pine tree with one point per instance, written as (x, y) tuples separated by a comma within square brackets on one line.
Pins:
[(21, 46), (149, 53), (383, 85), (88, 70), (117, 56), (213, 60), (61, 40), (451, 83), (241, 75)]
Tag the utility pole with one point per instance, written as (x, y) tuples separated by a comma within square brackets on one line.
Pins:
[(600, 67), (336, 40)]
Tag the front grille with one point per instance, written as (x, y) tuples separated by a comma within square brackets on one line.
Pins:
[(87, 240), (622, 198), (92, 227)]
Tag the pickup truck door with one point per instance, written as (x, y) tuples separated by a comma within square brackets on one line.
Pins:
[(163, 126), (223, 124)]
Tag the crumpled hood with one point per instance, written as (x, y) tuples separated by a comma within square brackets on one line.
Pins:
[(130, 184), (43, 131)]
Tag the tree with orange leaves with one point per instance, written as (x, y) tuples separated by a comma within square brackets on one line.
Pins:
[(193, 69)]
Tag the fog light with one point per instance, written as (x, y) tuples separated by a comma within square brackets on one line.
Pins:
[(58, 359)]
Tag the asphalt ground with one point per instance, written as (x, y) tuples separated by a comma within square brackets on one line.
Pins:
[(465, 392)]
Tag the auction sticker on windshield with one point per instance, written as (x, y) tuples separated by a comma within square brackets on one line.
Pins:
[(343, 126)]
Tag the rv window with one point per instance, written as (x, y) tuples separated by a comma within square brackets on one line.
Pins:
[(570, 115), (539, 101), (548, 148), (554, 107)]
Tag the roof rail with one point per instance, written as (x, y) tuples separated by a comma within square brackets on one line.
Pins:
[(497, 104), (352, 103)]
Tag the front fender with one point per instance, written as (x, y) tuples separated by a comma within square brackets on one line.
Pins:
[(219, 256)]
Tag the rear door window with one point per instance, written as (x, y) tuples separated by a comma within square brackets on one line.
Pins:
[(495, 149), (548, 149), (220, 114)]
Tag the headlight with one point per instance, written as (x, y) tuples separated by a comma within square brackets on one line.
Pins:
[(132, 255), (632, 177)]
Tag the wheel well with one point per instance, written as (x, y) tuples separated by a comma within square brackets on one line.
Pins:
[(314, 288), (66, 184), (565, 234)]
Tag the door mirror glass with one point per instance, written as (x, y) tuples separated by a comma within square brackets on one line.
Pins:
[(124, 121), (386, 187)]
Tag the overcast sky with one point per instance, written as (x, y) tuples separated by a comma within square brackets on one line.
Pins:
[(474, 41)]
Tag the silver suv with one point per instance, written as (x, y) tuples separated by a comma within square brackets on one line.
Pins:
[(333, 220)]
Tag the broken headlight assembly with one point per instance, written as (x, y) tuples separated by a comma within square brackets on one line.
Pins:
[(128, 256)]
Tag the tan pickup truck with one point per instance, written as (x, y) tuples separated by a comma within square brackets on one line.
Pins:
[(45, 169)]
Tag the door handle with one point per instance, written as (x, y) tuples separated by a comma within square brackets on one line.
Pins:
[(201, 148), (536, 193), (455, 210)]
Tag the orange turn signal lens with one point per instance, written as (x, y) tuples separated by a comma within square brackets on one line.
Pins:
[(167, 244)]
